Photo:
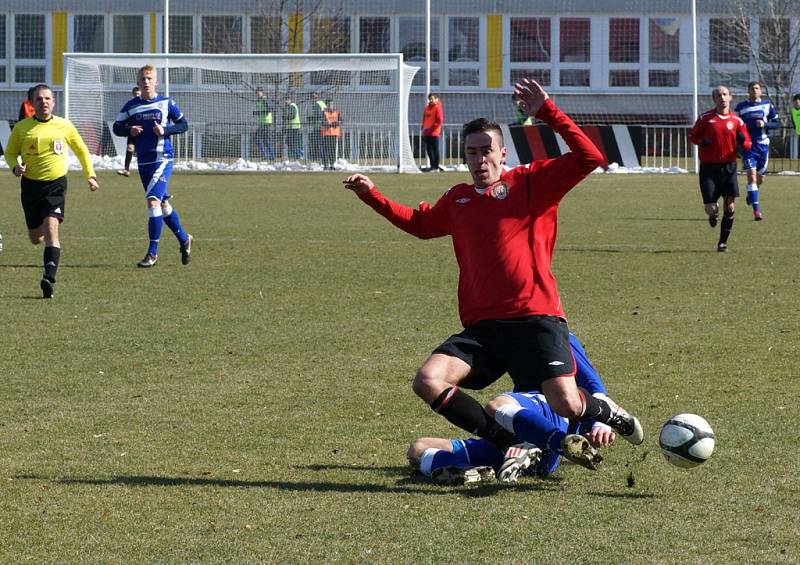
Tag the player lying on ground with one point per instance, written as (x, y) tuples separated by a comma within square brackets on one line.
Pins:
[(545, 436)]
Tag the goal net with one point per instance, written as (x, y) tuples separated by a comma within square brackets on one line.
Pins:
[(257, 112)]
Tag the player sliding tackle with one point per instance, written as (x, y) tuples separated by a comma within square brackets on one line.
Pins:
[(503, 227)]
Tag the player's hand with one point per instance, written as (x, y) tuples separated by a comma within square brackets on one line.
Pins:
[(358, 183), (760, 123), (601, 436), (529, 96), (19, 170), (93, 184), (136, 130), (158, 129)]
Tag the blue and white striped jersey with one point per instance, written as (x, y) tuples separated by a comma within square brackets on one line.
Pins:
[(151, 148), (751, 112)]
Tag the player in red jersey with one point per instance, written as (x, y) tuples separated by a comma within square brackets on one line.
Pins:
[(503, 228), (717, 133)]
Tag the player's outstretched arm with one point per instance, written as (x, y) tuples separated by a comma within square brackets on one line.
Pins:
[(358, 183)]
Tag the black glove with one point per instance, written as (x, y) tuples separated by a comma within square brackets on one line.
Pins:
[(739, 138)]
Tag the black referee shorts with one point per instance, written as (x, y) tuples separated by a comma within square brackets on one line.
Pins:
[(43, 198), (718, 180), (531, 350)]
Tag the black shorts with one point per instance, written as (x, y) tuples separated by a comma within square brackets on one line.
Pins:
[(43, 198), (717, 180), (531, 350)]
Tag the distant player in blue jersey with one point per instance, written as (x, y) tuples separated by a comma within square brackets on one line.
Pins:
[(528, 417), (759, 116), (149, 121)]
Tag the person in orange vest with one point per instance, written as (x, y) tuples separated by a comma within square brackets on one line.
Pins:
[(432, 120), (26, 110), (331, 134)]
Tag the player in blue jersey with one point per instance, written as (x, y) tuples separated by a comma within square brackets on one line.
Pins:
[(759, 116), (149, 121), (541, 431)]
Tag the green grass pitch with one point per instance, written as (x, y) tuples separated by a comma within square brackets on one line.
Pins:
[(255, 405)]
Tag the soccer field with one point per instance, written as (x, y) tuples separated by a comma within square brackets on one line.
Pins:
[(255, 405)]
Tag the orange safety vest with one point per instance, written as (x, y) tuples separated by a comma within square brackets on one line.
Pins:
[(432, 119), (28, 109), (331, 126)]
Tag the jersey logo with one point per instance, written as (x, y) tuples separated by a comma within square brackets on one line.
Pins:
[(57, 211), (58, 146), (555, 363), (499, 191), (729, 125), (463, 200)]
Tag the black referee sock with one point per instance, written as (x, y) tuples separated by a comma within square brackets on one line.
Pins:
[(725, 228), (52, 255), (461, 410), (128, 157)]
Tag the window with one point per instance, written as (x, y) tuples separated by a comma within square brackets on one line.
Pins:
[(574, 77), (664, 35), (330, 35), (623, 40), (29, 48), (542, 76), (89, 33), (623, 77), (265, 34), (661, 79), (181, 40), (374, 36), (3, 56), (530, 40), (412, 45), (128, 34), (463, 68), (222, 34), (574, 40), (773, 41), (728, 41)]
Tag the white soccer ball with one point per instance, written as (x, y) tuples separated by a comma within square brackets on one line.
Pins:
[(686, 440)]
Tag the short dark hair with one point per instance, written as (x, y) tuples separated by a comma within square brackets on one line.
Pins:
[(481, 125), (40, 86), (752, 83), (796, 97)]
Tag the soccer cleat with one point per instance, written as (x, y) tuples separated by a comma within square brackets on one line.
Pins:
[(454, 475), (518, 458), (722, 247), (624, 423), (124, 173), (757, 215), (148, 261), (712, 221), (186, 250), (47, 287), (577, 449)]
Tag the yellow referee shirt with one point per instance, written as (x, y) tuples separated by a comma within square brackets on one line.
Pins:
[(42, 146)]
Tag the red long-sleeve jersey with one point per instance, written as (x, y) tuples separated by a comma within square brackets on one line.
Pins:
[(504, 236), (715, 134)]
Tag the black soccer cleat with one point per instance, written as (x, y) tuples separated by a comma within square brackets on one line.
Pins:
[(148, 261), (186, 250), (47, 287), (722, 247)]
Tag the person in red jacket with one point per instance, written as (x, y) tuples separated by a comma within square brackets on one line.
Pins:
[(503, 230), (432, 120), (718, 132)]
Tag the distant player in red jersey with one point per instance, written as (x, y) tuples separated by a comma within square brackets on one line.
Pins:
[(718, 132), (503, 228)]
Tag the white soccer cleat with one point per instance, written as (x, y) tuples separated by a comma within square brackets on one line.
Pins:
[(518, 458), (454, 475), (625, 424)]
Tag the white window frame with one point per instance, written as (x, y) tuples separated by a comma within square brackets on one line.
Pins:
[(14, 62), (550, 65), (435, 66), (478, 65)]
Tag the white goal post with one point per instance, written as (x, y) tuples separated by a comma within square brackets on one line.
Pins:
[(228, 127)]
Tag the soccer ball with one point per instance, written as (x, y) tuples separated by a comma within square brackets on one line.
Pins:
[(686, 440)]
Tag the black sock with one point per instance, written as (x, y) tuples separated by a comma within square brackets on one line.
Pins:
[(128, 157), (462, 410), (595, 409), (725, 229), (52, 255)]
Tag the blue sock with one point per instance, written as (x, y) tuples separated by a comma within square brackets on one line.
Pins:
[(444, 458), (174, 223), (154, 226), (538, 430), (754, 199)]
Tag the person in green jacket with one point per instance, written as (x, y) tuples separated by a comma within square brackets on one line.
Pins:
[(795, 113), (265, 130), (291, 125)]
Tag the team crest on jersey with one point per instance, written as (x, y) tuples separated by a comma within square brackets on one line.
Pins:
[(58, 146), (729, 125), (499, 191)]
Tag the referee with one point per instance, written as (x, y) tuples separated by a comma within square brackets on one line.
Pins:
[(36, 152)]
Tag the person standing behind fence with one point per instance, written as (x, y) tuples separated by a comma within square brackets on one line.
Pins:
[(758, 116), (315, 120), (36, 152), (26, 109), (291, 121), (331, 134), (717, 133), (129, 146), (520, 117), (432, 120), (265, 131), (795, 113)]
